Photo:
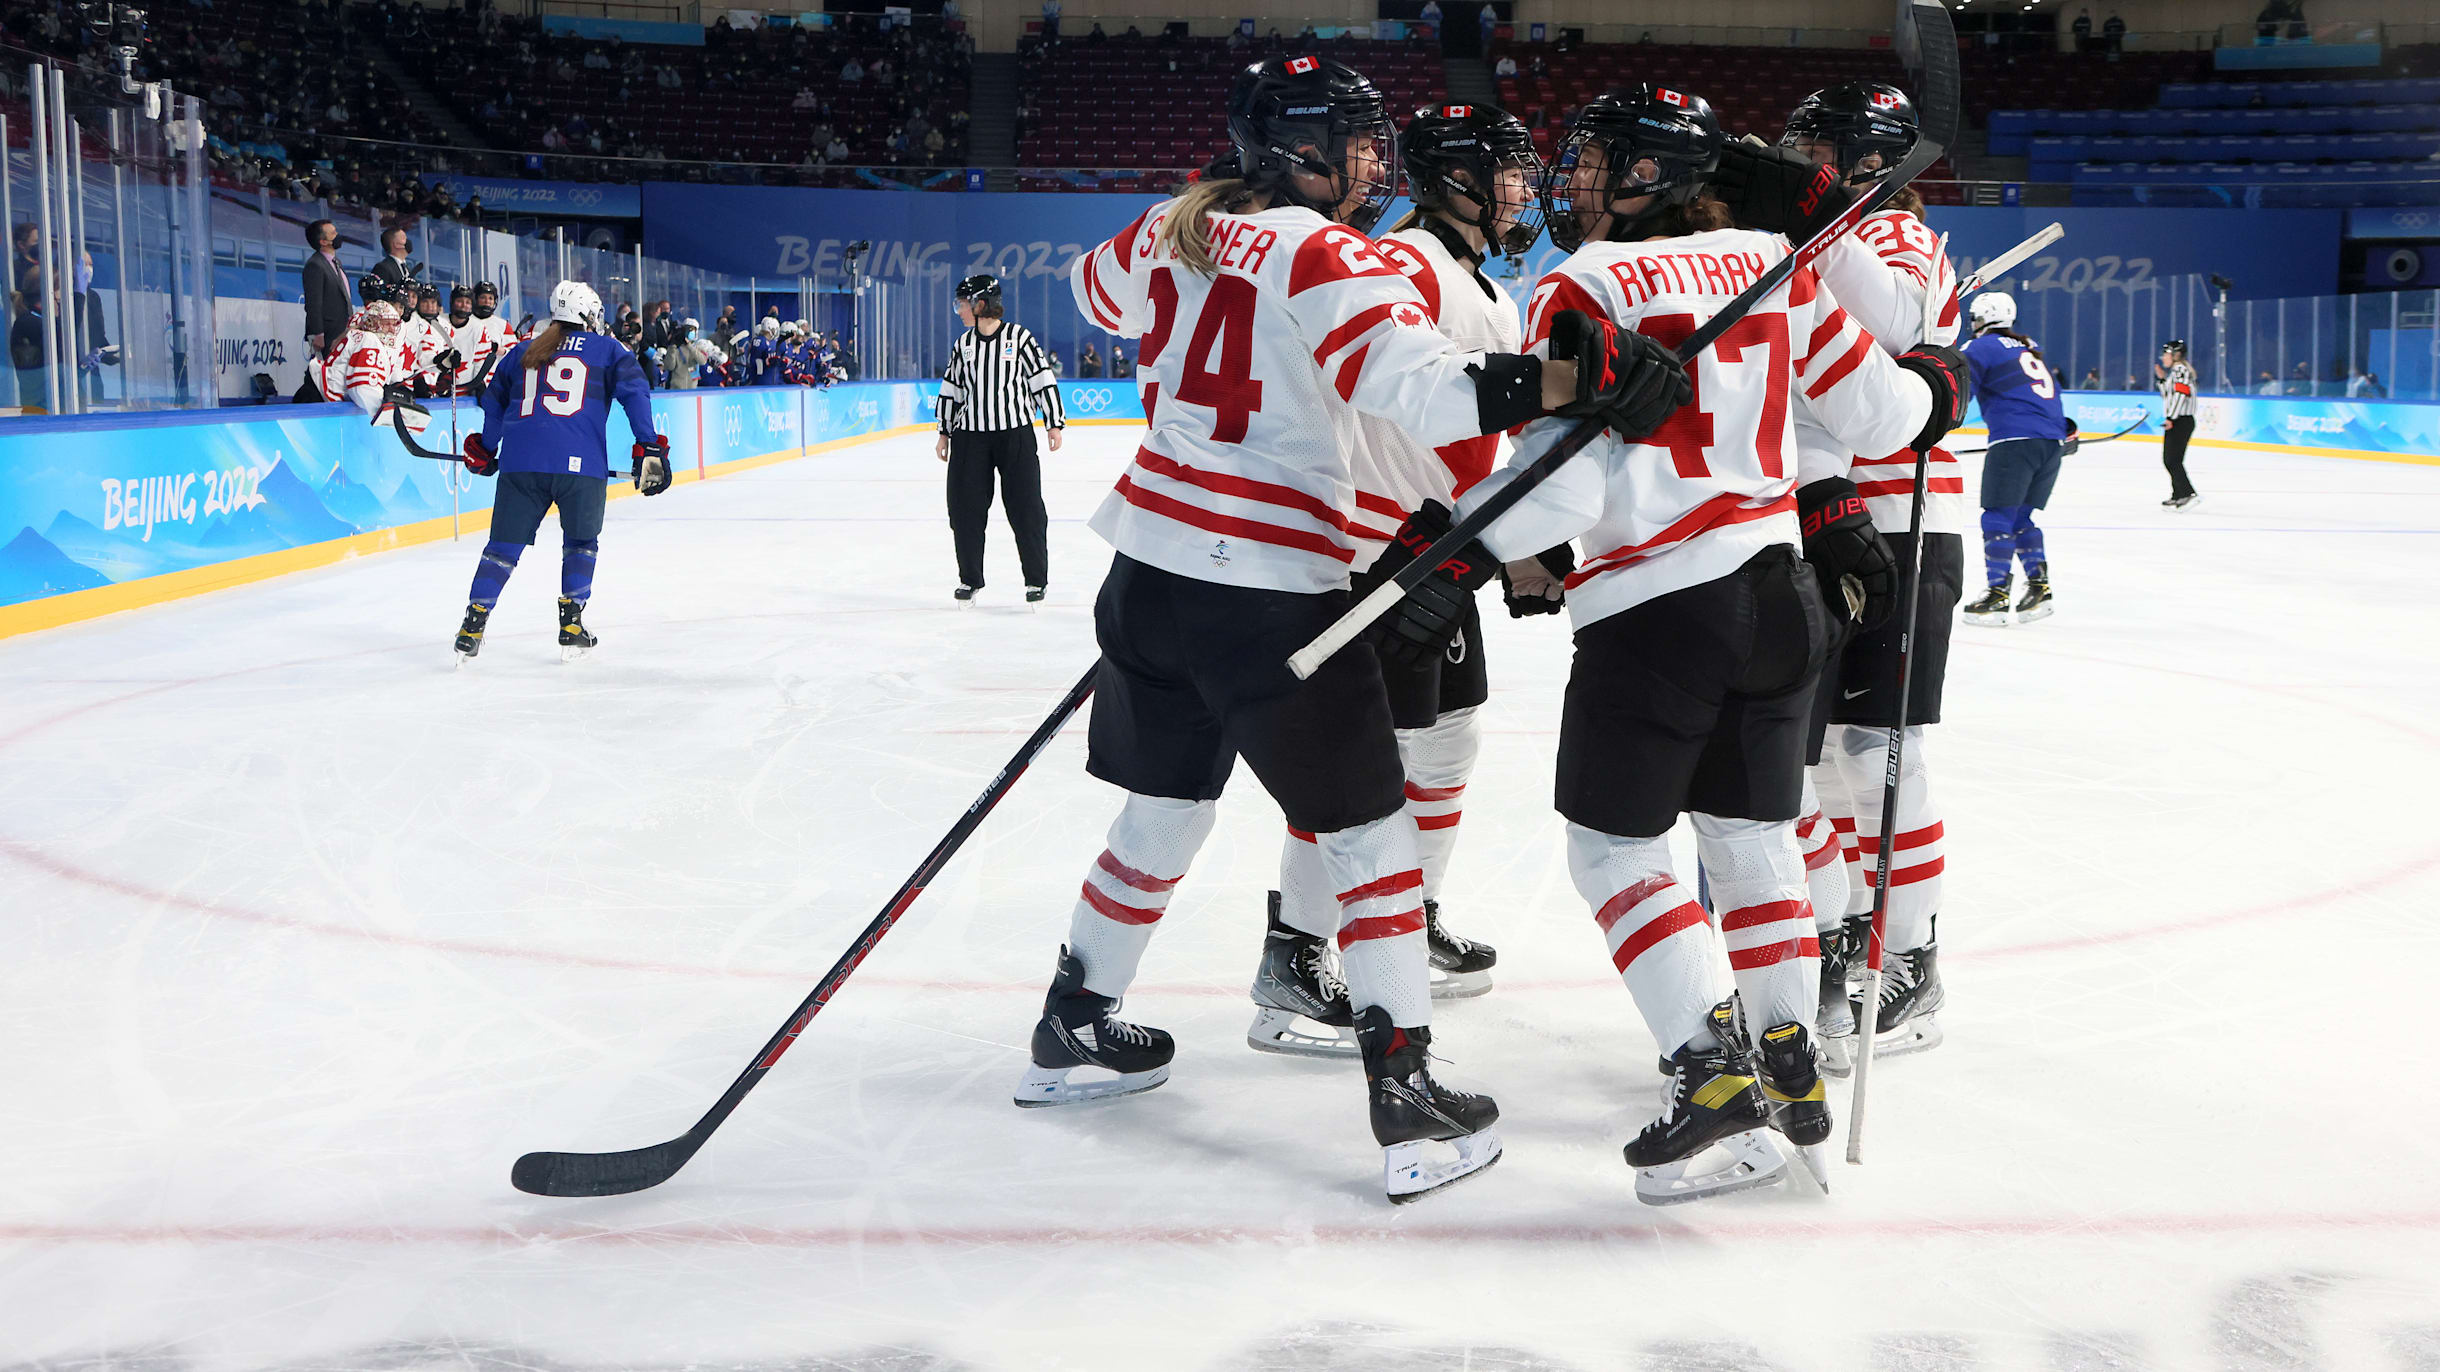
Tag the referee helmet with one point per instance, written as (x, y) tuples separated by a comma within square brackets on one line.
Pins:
[(982, 292)]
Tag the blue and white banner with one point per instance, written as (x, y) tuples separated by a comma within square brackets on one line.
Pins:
[(2403, 428), (515, 195)]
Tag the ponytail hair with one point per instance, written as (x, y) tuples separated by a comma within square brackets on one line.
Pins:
[(544, 345), (2029, 345), (1187, 231)]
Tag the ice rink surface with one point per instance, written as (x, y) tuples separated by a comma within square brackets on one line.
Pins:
[(309, 936)]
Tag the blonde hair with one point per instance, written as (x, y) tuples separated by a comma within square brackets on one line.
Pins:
[(540, 349), (1187, 231)]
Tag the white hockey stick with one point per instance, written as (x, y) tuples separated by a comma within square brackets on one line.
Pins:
[(1998, 266)]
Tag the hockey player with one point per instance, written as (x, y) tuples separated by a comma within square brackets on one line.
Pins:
[(427, 344), (1268, 321), (2030, 432), (1475, 180), (545, 411), (1883, 276), (1699, 629), (369, 362), (481, 337)]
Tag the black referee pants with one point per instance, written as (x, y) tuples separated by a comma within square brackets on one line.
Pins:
[(2173, 455), (974, 458)]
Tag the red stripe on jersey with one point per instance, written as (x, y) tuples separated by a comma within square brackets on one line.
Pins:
[(1380, 505), (1905, 876), (1938, 485), (1410, 263), (1432, 793), (1718, 512), (1772, 954), (1803, 286), (1659, 927), (1469, 459), (1409, 880), (1111, 910), (1753, 916), (1912, 838), (1616, 907), (1448, 821), (1244, 488), (1350, 372), (1905, 457), (1380, 926), (1823, 335), (1364, 322), (1278, 537), (1150, 885), (1839, 369), (1823, 856), (1337, 253), (1562, 294), (1296, 833), (1948, 311), (1104, 307), (1124, 245), (1366, 531)]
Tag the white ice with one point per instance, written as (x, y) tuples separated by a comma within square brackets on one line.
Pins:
[(309, 936)]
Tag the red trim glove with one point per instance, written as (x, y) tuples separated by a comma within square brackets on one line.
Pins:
[(1859, 577), (651, 463), (1423, 623), (1632, 382), (1944, 370), (1778, 190), (479, 457)]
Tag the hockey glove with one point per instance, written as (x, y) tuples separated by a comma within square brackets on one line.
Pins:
[(2069, 444), (1421, 626), (1859, 577), (1778, 190), (1538, 585), (479, 457), (1944, 370), (651, 462), (1630, 381)]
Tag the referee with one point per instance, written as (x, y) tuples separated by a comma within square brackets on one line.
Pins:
[(998, 377), (2177, 412)]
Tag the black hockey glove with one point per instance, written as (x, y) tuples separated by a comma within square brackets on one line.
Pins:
[(1542, 595), (652, 466), (1632, 382), (1944, 369), (1778, 190), (1421, 626), (1859, 577), (2069, 444)]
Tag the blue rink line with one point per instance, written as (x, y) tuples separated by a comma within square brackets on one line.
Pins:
[(2222, 529)]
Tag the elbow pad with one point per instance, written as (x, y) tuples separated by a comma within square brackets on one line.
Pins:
[(1507, 390)]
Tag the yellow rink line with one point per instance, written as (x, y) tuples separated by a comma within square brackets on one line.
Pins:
[(93, 602)]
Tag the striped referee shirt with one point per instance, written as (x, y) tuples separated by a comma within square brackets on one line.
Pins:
[(2177, 392), (998, 382)]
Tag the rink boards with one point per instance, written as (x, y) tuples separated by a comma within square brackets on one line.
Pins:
[(107, 513)]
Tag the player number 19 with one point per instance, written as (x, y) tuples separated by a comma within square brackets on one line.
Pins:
[(566, 376)]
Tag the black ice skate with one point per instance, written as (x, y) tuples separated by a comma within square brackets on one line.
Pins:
[(1409, 1109), (470, 633), (1911, 995), (1300, 1005), (1035, 595), (1991, 610), (1080, 1029), (1792, 1090), (2035, 603), (1713, 1137), (2180, 502), (964, 595), (574, 639), (1460, 966), (1834, 1015)]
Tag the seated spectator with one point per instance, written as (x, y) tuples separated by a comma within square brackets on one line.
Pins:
[(2092, 378), (1507, 65), (806, 100), (853, 72), (2366, 386), (2266, 384)]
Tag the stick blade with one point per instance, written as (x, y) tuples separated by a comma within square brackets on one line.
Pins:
[(599, 1174)]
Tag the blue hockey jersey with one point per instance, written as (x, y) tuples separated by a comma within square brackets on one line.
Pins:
[(2020, 397), (553, 419)]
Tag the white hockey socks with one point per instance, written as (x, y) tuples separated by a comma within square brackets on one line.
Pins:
[(1438, 758), (1824, 845), (1758, 886), (1914, 869), (1382, 953), (1658, 936), (1308, 903), (1152, 843)]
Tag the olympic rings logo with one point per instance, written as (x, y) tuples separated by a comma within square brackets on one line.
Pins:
[(1094, 400), (584, 195)]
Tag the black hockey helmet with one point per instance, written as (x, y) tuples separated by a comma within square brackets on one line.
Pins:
[(2174, 345), (1649, 141), (1310, 114), (1856, 120), (458, 293), (981, 291), (1462, 150), (486, 288), (371, 287)]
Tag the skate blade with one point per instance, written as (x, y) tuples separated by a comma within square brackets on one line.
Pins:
[(1816, 1160), (1050, 1086), (1753, 1159), (464, 660), (1408, 1176), (1918, 1035), (1287, 1032), (1837, 1057), (1459, 985), (572, 652), (1997, 621), (2037, 612)]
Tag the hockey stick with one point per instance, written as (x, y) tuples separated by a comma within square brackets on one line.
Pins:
[(1998, 266), (1940, 101), (1969, 452), (615, 1174)]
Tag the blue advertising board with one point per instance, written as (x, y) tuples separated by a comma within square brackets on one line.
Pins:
[(2397, 430), (516, 195)]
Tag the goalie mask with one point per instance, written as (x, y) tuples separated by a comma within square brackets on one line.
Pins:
[(1309, 114), (1847, 125), (1652, 145), (379, 319), (1452, 153)]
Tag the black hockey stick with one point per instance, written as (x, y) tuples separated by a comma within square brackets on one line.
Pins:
[(1939, 101), (615, 1174), (1928, 29), (2080, 439)]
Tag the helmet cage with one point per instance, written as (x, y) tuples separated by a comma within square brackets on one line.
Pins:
[(1678, 177), (1432, 167), (1282, 126), (1857, 120)]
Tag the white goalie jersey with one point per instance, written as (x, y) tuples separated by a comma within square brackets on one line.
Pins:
[(1252, 382), (1394, 473), (1717, 483), (1882, 275)]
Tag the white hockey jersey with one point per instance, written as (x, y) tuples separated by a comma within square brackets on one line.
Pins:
[(1252, 381), (1395, 474), (478, 341), (365, 363), (424, 340), (1717, 483), (1881, 275)]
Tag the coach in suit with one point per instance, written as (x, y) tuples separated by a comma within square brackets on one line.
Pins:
[(326, 307), (393, 267)]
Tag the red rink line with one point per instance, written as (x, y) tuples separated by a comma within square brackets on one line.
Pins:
[(1715, 1229)]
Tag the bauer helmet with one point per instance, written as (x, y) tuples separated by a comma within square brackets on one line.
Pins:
[(481, 289), (1310, 114), (1459, 151), (2176, 347), (982, 292), (1854, 122), (1651, 141), (373, 286), (573, 302), (1992, 310)]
